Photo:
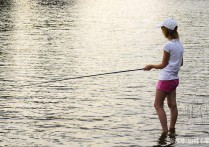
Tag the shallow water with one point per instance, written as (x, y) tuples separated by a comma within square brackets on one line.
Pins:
[(41, 40)]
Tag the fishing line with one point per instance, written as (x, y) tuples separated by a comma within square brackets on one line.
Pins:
[(80, 77)]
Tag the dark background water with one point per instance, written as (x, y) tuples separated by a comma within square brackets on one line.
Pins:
[(41, 40)]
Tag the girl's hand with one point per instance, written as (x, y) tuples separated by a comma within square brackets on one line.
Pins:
[(148, 67)]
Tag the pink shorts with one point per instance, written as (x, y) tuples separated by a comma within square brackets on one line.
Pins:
[(167, 85)]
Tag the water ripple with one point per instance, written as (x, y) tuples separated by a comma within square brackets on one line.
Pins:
[(45, 40)]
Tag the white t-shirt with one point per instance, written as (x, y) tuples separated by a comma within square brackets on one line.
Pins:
[(176, 50)]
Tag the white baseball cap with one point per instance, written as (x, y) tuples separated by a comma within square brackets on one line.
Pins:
[(169, 23)]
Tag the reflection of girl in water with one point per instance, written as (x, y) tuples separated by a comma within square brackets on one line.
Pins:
[(168, 79), (1, 2)]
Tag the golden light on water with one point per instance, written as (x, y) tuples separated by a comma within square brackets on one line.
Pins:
[(46, 39)]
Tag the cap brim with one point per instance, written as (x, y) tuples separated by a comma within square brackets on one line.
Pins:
[(159, 25)]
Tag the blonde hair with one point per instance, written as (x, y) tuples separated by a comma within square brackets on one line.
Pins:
[(171, 34)]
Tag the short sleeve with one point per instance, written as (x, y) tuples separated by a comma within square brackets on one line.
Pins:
[(166, 47)]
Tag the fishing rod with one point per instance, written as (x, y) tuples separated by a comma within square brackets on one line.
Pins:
[(80, 77)]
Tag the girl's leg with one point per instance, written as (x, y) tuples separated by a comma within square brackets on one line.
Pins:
[(171, 100), (159, 101)]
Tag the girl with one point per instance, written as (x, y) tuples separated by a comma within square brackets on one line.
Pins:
[(168, 79)]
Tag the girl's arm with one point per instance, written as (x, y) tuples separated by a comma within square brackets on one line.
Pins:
[(162, 65)]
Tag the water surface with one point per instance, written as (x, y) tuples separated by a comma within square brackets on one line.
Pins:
[(41, 40)]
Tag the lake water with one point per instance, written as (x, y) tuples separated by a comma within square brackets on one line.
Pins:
[(42, 40)]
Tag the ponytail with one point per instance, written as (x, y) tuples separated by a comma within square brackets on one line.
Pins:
[(172, 34)]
